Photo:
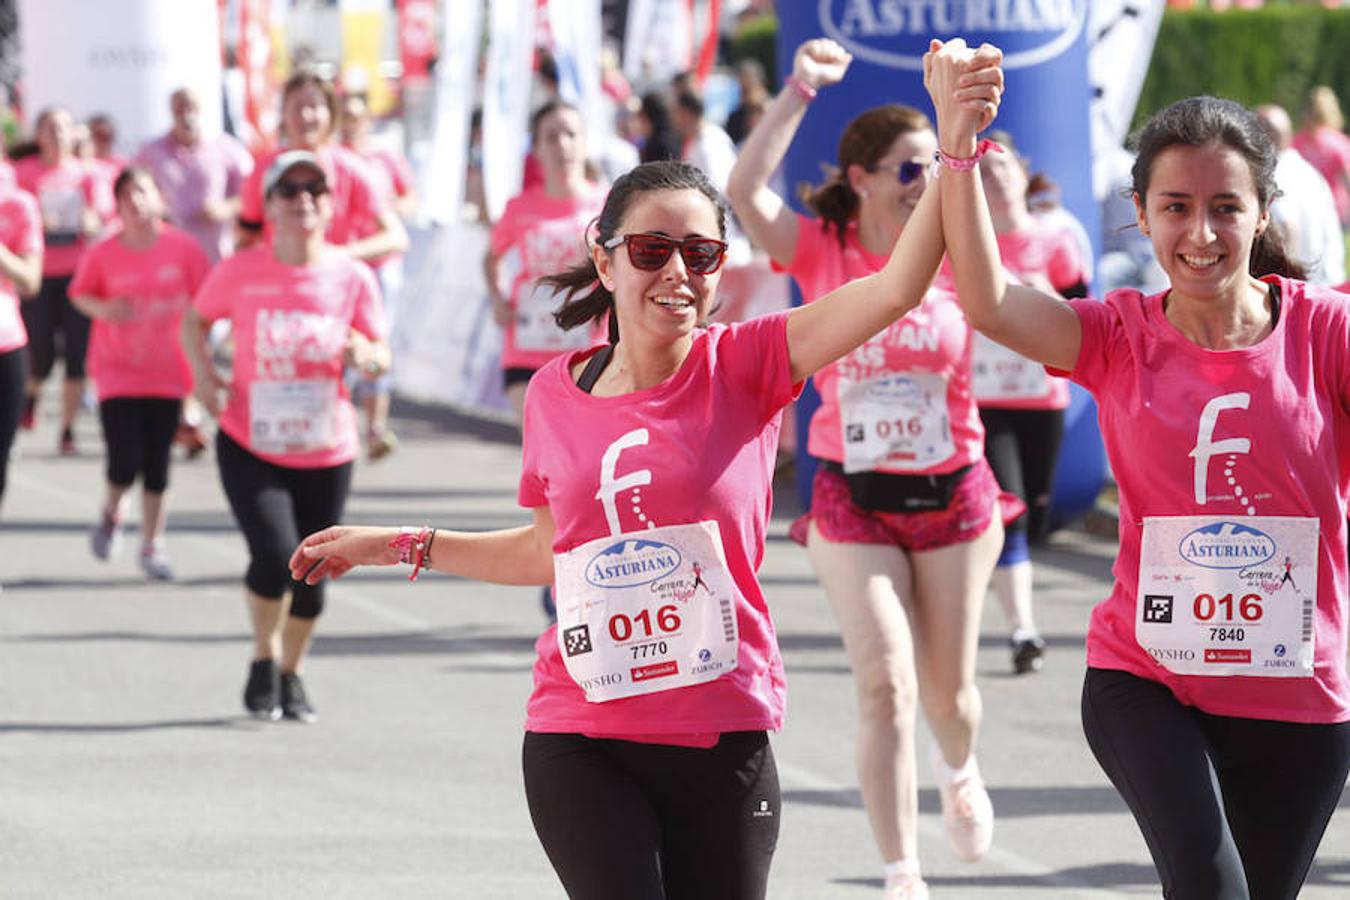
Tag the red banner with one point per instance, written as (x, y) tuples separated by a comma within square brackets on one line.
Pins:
[(417, 36)]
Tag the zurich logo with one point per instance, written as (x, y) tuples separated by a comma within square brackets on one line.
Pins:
[(895, 33), (632, 562), (1226, 545), (1280, 650), (704, 655)]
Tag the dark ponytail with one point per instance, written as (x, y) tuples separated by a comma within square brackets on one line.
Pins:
[(586, 298)]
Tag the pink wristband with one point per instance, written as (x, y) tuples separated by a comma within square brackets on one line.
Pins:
[(802, 89), (965, 165)]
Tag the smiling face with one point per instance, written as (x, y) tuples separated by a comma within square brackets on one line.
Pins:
[(56, 133), (1202, 214), (307, 212), (664, 305), (306, 118), (883, 196)]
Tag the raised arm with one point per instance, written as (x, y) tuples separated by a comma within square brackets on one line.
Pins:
[(821, 332), (521, 555), (767, 219), (1034, 323)]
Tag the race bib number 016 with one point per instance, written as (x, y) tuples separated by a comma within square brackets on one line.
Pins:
[(898, 420), (292, 416), (1001, 374), (1228, 596)]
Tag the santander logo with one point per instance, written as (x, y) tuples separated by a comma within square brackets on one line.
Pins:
[(895, 33)]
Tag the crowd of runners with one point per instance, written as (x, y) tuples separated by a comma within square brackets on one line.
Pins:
[(1216, 697)]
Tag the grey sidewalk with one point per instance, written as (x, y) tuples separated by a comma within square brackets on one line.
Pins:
[(128, 770)]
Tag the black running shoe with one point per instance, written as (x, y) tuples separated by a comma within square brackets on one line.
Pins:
[(294, 703), (262, 694), (1028, 655)]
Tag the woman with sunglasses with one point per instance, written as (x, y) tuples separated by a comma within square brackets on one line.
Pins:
[(905, 520), (300, 312), (647, 765), (136, 285), (1021, 406)]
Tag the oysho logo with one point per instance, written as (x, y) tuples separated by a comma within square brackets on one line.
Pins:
[(1227, 545), (895, 33), (632, 562)]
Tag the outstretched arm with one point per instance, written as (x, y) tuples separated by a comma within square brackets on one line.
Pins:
[(1036, 324), (767, 219), (521, 555), (821, 332)]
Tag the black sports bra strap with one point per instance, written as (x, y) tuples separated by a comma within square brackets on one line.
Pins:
[(594, 366)]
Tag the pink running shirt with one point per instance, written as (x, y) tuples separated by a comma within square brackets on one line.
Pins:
[(392, 178), (21, 232), (62, 192), (141, 357), (350, 187), (933, 341), (709, 436), (290, 326), (1175, 417), (1329, 152), (540, 235)]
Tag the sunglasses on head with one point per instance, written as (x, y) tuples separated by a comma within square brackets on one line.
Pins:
[(649, 252), (289, 190), (905, 172)]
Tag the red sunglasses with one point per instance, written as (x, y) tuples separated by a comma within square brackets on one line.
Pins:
[(650, 252)]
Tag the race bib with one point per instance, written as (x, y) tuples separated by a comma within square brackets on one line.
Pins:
[(536, 329), (646, 612), (1001, 374), (1228, 596), (61, 209), (293, 416), (897, 420)]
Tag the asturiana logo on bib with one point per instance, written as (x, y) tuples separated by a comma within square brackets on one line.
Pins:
[(1227, 545), (895, 33), (632, 562)]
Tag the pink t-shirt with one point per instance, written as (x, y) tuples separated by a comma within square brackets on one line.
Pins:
[(1329, 152), (392, 178), (931, 344), (63, 191), (21, 232), (352, 191), (540, 235), (710, 435), (1264, 430), (290, 325), (141, 357), (1041, 254)]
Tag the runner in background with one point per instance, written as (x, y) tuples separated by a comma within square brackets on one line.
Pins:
[(136, 285), (20, 278), (1216, 696), (905, 515), (393, 179), (1021, 407), (300, 311), (74, 208), (647, 765)]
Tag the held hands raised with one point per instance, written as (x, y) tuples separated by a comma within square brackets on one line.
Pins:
[(966, 85), (337, 550), (820, 62)]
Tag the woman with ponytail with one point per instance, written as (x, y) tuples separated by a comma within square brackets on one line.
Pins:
[(1216, 696)]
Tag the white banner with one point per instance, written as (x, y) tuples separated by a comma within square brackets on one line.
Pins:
[(123, 58), (506, 100), (575, 25), (658, 42), (1120, 48), (442, 190)]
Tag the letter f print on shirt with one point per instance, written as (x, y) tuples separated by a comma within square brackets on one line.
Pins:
[(612, 485), (1207, 448)]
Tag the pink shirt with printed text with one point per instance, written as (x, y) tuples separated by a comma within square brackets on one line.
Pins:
[(142, 356), (539, 235), (1164, 403), (351, 190), (21, 232), (290, 323), (62, 192), (711, 436), (934, 339)]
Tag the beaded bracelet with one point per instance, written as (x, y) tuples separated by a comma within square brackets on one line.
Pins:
[(965, 165), (801, 88)]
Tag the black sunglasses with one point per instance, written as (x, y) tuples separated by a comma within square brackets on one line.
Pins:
[(649, 252), (289, 190), (905, 172)]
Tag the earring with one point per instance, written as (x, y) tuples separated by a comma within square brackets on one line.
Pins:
[(863, 193)]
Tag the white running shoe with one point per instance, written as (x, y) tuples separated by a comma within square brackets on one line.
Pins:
[(906, 887), (967, 811), (105, 540), (155, 563)]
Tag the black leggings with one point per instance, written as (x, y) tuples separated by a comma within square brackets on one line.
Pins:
[(46, 314), (275, 506), (1230, 808), (627, 821), (138, 433), (1022, 446), (13, 378)]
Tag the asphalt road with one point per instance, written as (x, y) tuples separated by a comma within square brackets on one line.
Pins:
[(128, 769)]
